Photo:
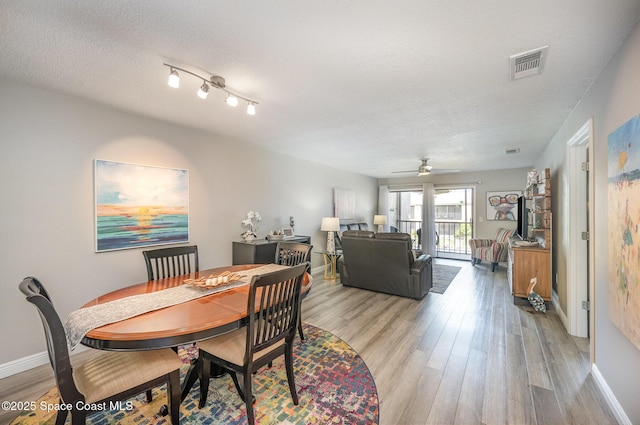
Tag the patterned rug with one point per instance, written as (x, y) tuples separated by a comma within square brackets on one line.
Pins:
[(333, 382), (442, 277)]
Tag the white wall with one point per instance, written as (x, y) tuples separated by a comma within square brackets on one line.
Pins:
[(611, 101), (48, 142)]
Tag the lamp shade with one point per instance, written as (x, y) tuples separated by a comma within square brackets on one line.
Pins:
[(379, 219), (330, 224)]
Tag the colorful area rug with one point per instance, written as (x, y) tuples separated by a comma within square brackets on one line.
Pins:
[(442, 277), (334, 387)]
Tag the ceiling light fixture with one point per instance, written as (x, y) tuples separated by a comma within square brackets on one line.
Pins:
[(215, 81)]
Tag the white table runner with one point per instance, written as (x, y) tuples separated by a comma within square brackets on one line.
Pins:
[(84, 320)]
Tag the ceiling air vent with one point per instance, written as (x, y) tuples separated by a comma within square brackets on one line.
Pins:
[(511, 151), (528, 63)]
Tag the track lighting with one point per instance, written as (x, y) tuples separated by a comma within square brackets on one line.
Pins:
[(215, 81)]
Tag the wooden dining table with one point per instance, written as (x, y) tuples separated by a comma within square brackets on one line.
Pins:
[(188, 322)]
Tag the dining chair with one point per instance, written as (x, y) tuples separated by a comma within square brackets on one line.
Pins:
[(112, 377), (169, 262), (273, 309), (292, 254)]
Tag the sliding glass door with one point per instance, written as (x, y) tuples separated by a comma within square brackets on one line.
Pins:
[(405, 213), (449, 212), (454, 221)]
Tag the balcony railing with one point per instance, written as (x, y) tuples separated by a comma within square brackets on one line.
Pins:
[(453, 236)]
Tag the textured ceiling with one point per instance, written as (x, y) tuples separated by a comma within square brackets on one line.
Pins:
[(367, 86)]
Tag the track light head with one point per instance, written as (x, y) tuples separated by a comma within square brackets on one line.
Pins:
[(231, 100), (251, 108), (174, 79), (203, 91)]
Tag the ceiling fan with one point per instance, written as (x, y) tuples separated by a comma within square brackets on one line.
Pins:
[(423, 170)]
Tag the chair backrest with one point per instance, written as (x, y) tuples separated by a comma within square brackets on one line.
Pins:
[(169, 262), (503, 235), (292, 253), (55, 337), (275, 297)]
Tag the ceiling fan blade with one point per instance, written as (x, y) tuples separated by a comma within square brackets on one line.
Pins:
[(407, 171)]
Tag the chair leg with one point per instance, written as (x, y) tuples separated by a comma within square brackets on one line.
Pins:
[(249, 398), (234, 376), (300, 330), (205, 373), (493, 266), (62, 415), (78, 416), (288, 360), (149, 396), (173, 394)]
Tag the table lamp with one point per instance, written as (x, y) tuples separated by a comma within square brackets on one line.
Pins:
[(330, 224), (380, 220)]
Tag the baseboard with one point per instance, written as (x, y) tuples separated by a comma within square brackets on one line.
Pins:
[(555, 300), (29, 362), (611, 399), (23, 364), (317, 271)]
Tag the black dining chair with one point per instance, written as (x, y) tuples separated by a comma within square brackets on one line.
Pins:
[(169, 262), (115, 376), (292, 254), (273, 309)]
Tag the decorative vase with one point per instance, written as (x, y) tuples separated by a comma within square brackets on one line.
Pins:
[(250, 238)]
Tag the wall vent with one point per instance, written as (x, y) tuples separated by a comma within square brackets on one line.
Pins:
[(511, 151), (528, 63)]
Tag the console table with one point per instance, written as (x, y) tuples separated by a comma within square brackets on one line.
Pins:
[(260, 251)]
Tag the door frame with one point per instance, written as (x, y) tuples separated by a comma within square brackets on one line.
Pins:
[(579, 219)]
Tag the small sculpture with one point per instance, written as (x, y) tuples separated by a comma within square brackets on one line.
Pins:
[(536, 300)]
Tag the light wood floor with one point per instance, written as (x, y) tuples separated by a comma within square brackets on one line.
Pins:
[(469, 356)]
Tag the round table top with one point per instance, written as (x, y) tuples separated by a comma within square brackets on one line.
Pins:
[(190, 321)]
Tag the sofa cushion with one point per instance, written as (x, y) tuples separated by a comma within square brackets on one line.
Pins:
[(358, 234), (392, 236)]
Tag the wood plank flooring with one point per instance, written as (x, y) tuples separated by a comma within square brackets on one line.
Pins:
[(468, 356)]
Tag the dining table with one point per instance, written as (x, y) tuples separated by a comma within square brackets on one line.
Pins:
[(187, 322)]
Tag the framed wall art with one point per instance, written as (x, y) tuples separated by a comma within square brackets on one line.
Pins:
[(344, 203), (502, 205), (623, 193), (139, 205)]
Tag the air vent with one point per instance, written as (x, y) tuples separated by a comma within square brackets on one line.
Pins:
[(511, 151), (528, 63)]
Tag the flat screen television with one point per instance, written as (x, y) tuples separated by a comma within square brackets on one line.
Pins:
[(522, 230)]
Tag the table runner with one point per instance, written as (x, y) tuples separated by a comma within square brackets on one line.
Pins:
[(84, 320)]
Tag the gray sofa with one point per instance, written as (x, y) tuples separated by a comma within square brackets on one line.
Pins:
[(384, 262)]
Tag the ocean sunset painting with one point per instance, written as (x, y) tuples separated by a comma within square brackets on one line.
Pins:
[(139, 205)]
